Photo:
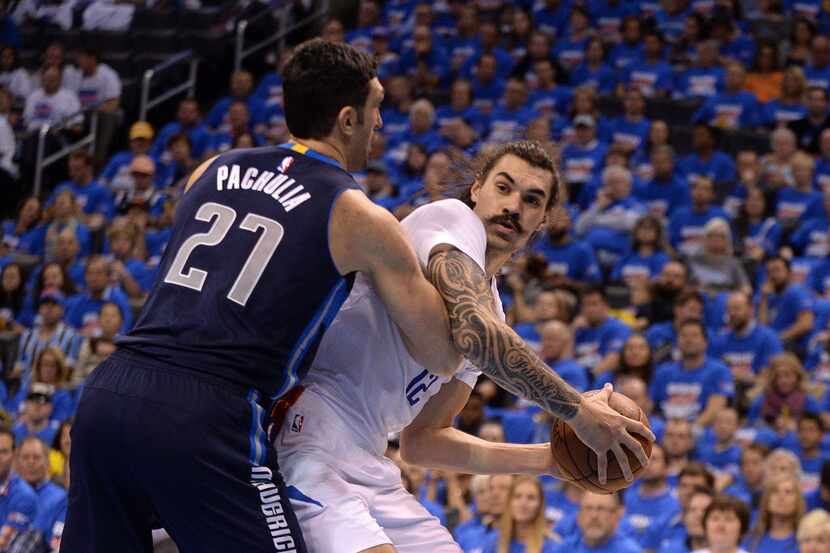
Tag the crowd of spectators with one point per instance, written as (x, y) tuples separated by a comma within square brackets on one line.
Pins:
[(688, 264)]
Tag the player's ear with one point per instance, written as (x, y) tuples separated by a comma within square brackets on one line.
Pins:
[(346, 120), (475, 189)]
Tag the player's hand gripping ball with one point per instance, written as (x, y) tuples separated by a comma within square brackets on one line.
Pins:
[(578, 463)]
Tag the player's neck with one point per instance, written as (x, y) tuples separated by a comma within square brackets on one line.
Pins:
[(494, 260), (324, 147)]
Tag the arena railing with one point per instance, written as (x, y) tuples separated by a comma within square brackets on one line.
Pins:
[(241, 52), (42, 160), (148, 103)]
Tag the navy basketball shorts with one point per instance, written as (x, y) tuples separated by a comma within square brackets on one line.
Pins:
[(153, 447)]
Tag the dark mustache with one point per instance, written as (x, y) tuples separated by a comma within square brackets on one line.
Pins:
[(510, 220)]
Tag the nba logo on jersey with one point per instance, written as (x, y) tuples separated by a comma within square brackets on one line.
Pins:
[(285, 164), (297, 423)]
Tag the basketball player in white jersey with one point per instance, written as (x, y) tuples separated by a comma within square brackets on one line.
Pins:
[(365, 384)]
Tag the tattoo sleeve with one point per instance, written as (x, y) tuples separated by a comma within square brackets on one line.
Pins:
[(490, 343)]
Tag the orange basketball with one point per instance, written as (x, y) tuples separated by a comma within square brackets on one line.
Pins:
[(578, 462)]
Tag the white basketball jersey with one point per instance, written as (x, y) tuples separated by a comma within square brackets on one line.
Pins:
[(362, 370)]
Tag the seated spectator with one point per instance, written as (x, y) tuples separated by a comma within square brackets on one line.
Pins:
[(242, 85), (551, 17), (758, 234), (599, 337), (706, 79), (802, 31), (809, 449), (32, 463), (557, 349), (657, 306), (605, 226), (784, 392), (420, 130), (510, 118), (800, 201), (49, 331), (142, 172), (93, 199), (716, 269), (59, 453), (95, 349), (99, 83), (544, 308), (460, 108), (130, 272), (66, 218), (523, 522), (12, 296), (36, 416), (684, 533), (238, 123), (593, 71), (725, 522), (598, 521), (823, 162), (817, 70), (471, 532), (667, 190), (50, 367), (426, 63), (50, 104), (696, 387), (813, 533), (808, 129), (788, 105), (706, 160), (182, 163), (83, 309), (782, 506), (722, 455), (55, 57), (569, 49), (21, 501), (571, 262), (765, 78), (749, 483), (389, 61), (630, 48), (647, 254), (662, 336), (333, 30), (686, 228), (13, 76), (776, 171), (811, 238), (652, 76), (746, 346), (26, 233), (631, 130), (652, 502), (549, 97), (734, 108), (786, 306), (116, 175), (683, 473), (188, 121)]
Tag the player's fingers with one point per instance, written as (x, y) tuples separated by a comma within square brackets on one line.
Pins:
[(605, 393), (639, 428), (602, 467), (636, 448), (622, 459)]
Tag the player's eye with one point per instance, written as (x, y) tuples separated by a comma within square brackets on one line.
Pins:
[(534, 201), (502, 187)]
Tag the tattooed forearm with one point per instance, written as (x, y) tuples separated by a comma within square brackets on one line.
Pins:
[(489, 343)]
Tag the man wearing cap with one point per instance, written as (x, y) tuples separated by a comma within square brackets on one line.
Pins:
[(49, 331), (585, 158), (117, 172), (93, 198), (18, 502), (37, 408), (32, 464), (188, 121), (142, 192)]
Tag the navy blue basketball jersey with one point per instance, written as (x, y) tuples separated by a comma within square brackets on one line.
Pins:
[(247, 284)]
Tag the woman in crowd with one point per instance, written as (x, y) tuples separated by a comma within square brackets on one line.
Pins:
[(764, 80), (784, 391), (636, 358), (59, 453), (97, 348), (758, 233), (789, 105), (50, 367), (522, 527), (749, 484), (26, 233), (12, 297), (659, 134), (725, 522), (814, 532), (647, 256), (782, 507), (798, 45), (717, 269)]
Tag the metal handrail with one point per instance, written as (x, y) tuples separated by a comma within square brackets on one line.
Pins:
[(241, 53), (42, 161), (190, 84)]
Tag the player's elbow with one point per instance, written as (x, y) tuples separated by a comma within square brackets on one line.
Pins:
[(411, 451)]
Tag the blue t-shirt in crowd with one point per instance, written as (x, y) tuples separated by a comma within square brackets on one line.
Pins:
[(636, 265), (47, 434), (581, 163), (747, 352), (783, 308), (569, 52), (486, 95), (616, 544), (575, 259), (50, 500), (633, 134), (492, 546), (819, 278), (18, 504), (730, 110), (91, 198), (663, 197), (686, 228), (700, 82), (556, 100), (768, 544), (642, 512), (777, 112), (592, 343), (603, 79), (509, 124), (683, 393), (726, 459), (720, 167), (624, 54), (200, 139), (82, 309), (649, 78), (217, 119), (30, 241), (811, 238), (269, 90)]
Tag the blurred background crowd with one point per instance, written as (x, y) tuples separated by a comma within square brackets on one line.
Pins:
[(688, 265)]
